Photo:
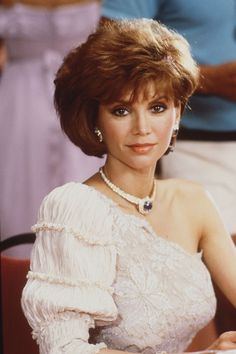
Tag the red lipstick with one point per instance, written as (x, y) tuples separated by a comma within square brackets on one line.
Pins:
[(141, 148)]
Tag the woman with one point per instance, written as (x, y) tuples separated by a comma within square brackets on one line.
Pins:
[(122, 252), (35, 156)]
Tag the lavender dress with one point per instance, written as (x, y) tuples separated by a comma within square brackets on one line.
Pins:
[(34, 155)]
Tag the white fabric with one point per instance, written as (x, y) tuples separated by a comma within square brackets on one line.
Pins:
[(35, 156), (213, 164), (94, 265)]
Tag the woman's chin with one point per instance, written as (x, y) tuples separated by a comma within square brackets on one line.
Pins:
[(142, 163)]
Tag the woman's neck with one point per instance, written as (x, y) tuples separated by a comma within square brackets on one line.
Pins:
[(133, 181)]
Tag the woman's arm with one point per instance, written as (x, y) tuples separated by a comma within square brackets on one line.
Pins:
[(219, 253), (218, 248), (73, 265)]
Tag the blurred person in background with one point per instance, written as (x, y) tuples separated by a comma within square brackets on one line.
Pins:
[(206, 148), (34, 154)]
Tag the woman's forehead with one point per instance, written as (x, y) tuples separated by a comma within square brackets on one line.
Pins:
[(147, 91)]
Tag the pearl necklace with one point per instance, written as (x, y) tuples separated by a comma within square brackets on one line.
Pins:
[(144, 205)]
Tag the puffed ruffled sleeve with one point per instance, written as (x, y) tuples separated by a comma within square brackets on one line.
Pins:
[(73, 266)]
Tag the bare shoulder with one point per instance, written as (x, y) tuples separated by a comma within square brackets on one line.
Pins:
[(196, 201), (192, 199), (186, 190), (195, 194)]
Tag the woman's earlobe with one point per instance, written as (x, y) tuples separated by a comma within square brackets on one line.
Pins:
[(173, 138), (99, 134), (175, 128)]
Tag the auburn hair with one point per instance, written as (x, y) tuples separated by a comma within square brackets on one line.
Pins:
[(120, 55)]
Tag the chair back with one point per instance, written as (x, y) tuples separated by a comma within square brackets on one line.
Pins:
[(16, 332)]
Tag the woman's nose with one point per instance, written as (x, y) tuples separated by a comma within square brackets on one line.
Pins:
[(141, 124)]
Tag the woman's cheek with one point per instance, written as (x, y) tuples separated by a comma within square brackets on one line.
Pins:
[(164, 131)]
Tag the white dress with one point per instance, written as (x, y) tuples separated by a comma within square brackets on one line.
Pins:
[(35, 156), (94, 265)]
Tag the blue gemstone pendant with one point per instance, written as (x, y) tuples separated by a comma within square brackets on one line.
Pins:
[(145, 206)]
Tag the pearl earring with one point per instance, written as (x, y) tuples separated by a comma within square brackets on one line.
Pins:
[(173, 139), (175, 130), (99, 134)]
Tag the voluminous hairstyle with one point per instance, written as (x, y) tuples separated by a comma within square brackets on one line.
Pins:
[(121, 55)]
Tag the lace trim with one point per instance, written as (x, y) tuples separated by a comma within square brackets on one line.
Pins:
[(65, 281), (45, 226)]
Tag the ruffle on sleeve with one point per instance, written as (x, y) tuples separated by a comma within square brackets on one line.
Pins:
[(68, 333), (76, 209), (72, 270)]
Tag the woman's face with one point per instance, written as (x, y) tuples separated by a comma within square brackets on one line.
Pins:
[(137, 134)]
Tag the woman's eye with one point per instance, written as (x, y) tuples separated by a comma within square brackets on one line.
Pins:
[(120, 112), (158, 108)]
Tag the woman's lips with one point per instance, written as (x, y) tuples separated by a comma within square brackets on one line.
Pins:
[(141, 148)]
